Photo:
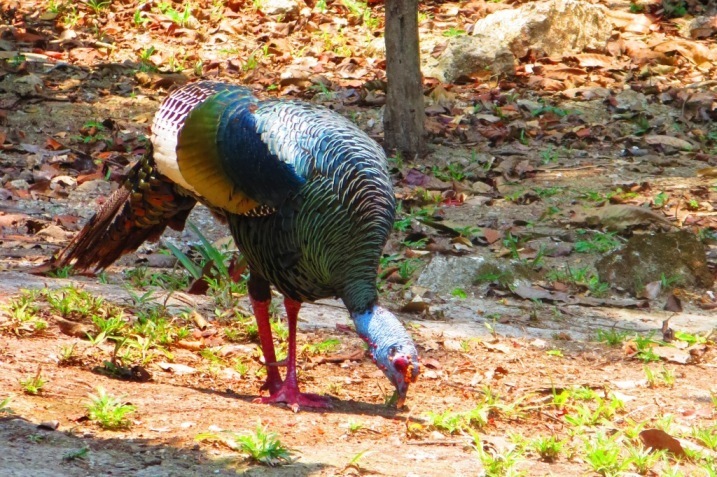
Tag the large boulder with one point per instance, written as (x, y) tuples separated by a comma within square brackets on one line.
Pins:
[(675, 256), (446, 273), (552, 28)]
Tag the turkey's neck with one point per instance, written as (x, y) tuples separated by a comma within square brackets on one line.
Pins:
[(360, 295)]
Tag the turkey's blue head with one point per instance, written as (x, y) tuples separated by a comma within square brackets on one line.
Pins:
[(391, 347)]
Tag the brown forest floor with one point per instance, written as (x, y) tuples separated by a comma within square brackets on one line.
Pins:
[(79, 88)]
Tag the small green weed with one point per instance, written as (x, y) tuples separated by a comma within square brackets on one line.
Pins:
[(497, 464), (55, 6), (636, 7), (81, 453), (23, 311), (453, 422), (5, 406), (661, 200), (603, 455), (669, 282), (665, 377), (674, 8), (181, 18), (459, 293), (63, 272), (406, 268), (354, 462), (324, 347), (584, 416), (690, 339), (643, 459), (34, 384), (355, 426), (140, 18), (72, 302), (451, 172), (595, 196), (547, 447), (599, 242), (417, 244), (453, 32), (547, 192), (582, 277), (98, 6), (707, 436), (644, 345), (549, 109), (111, 326), (611, 337), (108, 411), (261, 446), (584, 393), (548, 156), (240, 366), (361, 10), (66, 356), (476, 418)]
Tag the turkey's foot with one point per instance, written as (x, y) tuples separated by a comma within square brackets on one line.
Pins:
[(272, 384), (273, 381), (295, 399)]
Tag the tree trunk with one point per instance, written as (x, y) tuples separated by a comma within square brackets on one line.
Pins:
[(404, 114)]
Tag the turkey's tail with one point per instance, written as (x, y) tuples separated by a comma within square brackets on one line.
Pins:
[(137, 212)]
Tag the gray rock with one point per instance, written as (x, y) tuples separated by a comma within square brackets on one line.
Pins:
[(648, 258), (97, 185), (444, 274), (591, 112), (554, 27), (20, 184), (26, 85), (271, 8), (464, 55), (629, 100)]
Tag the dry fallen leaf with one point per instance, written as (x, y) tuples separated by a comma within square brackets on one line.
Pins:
[(497, 346), (660, 440), (707, 172), (672, 355), (673, 304), (670, 141)]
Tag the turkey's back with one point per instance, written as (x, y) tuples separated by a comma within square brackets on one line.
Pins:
[(326, 236)]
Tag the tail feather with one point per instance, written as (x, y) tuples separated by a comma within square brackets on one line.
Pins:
[(139, 211)]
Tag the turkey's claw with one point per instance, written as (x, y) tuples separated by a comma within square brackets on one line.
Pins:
[(295, 399)]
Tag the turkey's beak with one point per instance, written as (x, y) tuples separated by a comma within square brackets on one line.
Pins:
[(410, 375), (401, 396)]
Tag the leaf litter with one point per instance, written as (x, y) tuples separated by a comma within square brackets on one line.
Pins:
[(562, 151)]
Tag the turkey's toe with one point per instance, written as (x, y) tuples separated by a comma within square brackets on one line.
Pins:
[(295, 399)]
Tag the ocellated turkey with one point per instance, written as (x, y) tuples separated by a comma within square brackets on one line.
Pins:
[(308, 200)]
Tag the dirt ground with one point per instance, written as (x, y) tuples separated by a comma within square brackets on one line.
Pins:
[(520, 363), (173, 409), (69, 124)]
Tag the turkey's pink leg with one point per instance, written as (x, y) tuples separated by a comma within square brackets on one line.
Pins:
[(289, 390), (261, 313)]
